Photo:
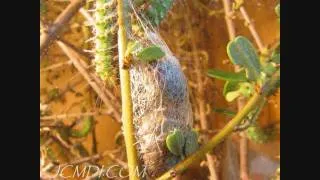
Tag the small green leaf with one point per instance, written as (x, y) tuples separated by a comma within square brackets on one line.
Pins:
[(241, 52), (276, 58), (158, 10), (86, 124), (269, 68), (237, 4), (150, 53), (230, 86), (227, 76), (276, 50), (246, 89), (232, 95), (225, 111), (175, 142), (191, 145), (261, 135)]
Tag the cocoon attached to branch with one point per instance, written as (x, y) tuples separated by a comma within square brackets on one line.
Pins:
[(161, 105)]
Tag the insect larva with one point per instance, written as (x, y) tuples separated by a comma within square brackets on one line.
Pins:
[(104, 38)]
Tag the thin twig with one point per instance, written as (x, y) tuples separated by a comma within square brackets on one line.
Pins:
[(202, 107), (229, 22), (55, 29), (76, 60), (99, 82), (71, 115), (54, 66), (86, 14), (78, 50), (241, 101), (90, 158), (252, 29)]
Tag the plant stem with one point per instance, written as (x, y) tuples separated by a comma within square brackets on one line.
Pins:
[(127, 115), (227, 130)]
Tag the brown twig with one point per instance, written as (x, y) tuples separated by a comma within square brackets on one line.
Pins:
[(229, 22), (202, 107), (78, 50), (65, 116), (54, 66), (90, 158), (101, 84), (76, 60), (252, 29), (241, 101), (97, 80), (86, 14), (55, 29)]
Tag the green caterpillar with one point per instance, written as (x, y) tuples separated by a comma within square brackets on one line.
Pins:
[(104, 36), (105, 32)]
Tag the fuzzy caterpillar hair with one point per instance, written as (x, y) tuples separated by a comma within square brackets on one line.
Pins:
[(160, 103), (105, 33)]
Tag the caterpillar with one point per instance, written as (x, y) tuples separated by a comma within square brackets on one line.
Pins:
[(105, 29), (105, 33)]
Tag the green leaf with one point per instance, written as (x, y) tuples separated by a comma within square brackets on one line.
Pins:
[(175, 142), (191, 145), (276, 58), (277, 49), (241, 52), (150, 54), (246, 89), (232, 95), (270, 68), (86, 124), (230, 86), (261, 135), (225, 111), (237, 4), (227, 76), (158, 10)]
